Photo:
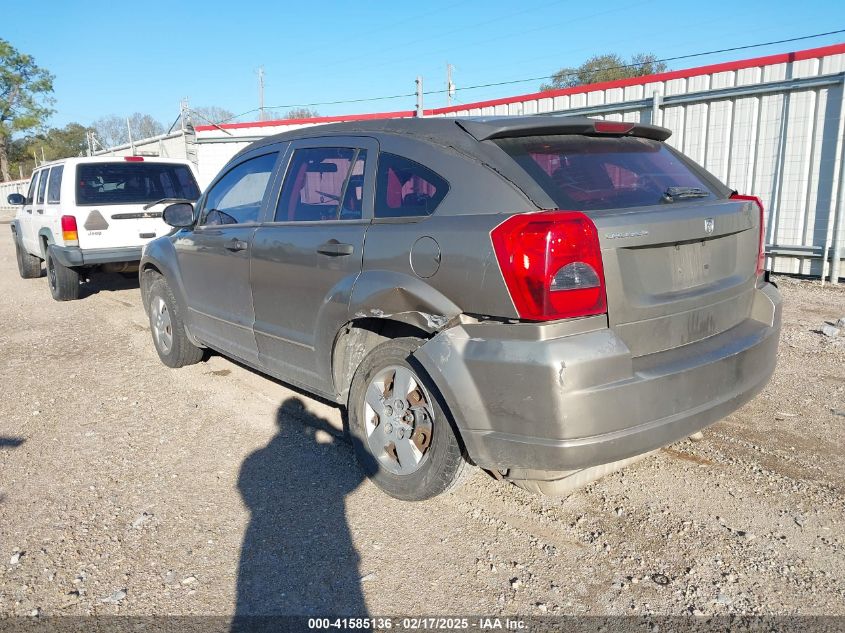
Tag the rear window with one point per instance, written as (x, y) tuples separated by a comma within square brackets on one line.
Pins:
[(133, 183), (585, 173)]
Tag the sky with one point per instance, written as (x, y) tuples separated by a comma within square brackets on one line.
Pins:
[(116, 58)]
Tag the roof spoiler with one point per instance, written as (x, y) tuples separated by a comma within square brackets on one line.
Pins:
[(485, 129)]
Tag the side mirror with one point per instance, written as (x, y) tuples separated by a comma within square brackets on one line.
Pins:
[(180, 215), (16, 199)]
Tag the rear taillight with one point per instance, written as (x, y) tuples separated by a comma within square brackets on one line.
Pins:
[(761, 246), (134, 159), (551, 263), (69, 232)]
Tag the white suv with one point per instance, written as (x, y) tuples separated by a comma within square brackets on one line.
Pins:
[(82, 214)]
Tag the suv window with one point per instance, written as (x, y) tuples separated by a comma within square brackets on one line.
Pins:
[(133, 183), (588, 173), (236, 198), (33, 183), (405, 188), (54, 186), (323, 183), (42, 186)]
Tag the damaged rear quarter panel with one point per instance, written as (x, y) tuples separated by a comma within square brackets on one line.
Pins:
[(401, 297), (468, 279)]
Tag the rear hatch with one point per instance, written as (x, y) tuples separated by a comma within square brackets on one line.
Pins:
[(120, 203), (679, 255)]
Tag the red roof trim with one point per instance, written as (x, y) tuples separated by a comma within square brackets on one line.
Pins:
[(318, 119), (780, 58)]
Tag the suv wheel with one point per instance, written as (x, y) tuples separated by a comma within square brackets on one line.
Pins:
[(169, 336), (63, 281), (401, 432), (29, 266)]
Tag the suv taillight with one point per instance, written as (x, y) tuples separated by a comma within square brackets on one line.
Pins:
[(551, 262), (69, 232), (761, 246)]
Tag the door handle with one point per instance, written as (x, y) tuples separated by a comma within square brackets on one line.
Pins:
[(236, 245), (334, 248), (41, 211)]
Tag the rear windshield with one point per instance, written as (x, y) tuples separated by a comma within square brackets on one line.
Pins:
[(587, 173), (133, 183)]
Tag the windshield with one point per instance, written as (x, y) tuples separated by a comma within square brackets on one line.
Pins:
[(586, 173), (133, 183)]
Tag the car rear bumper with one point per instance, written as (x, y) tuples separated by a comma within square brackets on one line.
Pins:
[(537, 402), (74, 256)]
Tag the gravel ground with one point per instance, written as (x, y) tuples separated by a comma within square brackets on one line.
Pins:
[(130, 488)]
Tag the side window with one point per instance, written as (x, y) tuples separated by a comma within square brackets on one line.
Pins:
[(323, 183), (33, 183), (42, 187), (236, 198), (405, 188), (54, 185), (353, 196)]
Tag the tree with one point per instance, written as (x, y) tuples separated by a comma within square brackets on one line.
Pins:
[(211, 114), (144, 126), (301, 113), (24, 98), (610, 67), (54, 143), (111, 131)]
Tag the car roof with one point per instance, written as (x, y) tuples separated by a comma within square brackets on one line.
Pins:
[(463, 132), (472, 138)]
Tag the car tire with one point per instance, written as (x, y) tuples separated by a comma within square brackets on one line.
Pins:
[(412, 458), (168, 328), (29, 266), (63, 281)]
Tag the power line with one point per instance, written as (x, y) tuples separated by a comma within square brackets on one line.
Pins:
[(655, 61), (530, 79), (320, 103)]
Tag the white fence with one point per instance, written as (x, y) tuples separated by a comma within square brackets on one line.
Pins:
[(13, 186)]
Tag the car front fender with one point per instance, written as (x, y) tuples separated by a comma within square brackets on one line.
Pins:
[(160, 255)]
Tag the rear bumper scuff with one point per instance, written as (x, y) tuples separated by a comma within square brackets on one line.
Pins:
[(582, 400)]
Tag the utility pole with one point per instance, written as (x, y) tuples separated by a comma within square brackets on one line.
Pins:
[(420, 111), (185, 111), (88, 134), (450, 87), (261, 93), (131, 142)]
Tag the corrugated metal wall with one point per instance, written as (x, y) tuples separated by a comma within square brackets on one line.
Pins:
[(773, 130)]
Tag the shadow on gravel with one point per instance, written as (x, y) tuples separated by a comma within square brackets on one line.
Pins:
[(10, 442), (297, 557), (108, 282)]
